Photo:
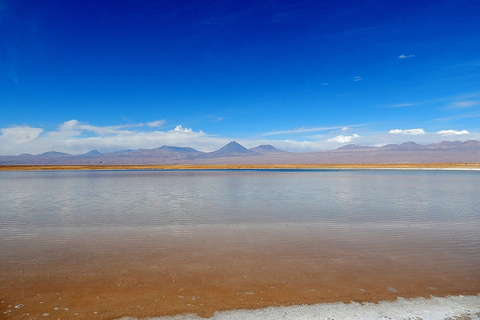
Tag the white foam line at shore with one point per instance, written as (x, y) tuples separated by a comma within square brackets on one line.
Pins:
[(435, 308)]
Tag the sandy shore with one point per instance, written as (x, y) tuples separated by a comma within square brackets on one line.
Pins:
[(440, 165)]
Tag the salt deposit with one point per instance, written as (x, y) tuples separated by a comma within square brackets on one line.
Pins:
[(435, 308)]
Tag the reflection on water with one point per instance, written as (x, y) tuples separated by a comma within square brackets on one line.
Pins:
[(85, 199), (316, 235)]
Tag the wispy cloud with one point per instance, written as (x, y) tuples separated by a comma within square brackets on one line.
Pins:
[(214, 118), (401, 105), (457, 101), (468, 64), (358, 78), (301, 130), (413, 132), (314, 129), (471, 115), (464, 104), (156, 124), (406, 56), (452, 132)]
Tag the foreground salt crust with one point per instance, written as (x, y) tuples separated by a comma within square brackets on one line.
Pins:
[(435, 308)]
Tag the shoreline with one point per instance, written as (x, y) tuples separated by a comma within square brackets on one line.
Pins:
[(432, 308), (421, 166)]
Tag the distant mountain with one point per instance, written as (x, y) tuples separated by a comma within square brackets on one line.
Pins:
[(234, 153), (266, 149), (406, 146), (445, 144), (90, 153), (161, 152), (169, 152), (456, 144), (353, 147), (471, 144), (412, 146), (51, 154), (232, 149), (178, 149)]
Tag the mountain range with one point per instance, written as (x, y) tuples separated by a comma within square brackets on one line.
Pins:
[(234, 153)]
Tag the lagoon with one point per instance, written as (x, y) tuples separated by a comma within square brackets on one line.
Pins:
[(107, 244)]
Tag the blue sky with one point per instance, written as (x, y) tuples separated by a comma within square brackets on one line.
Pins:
[(300, 75)]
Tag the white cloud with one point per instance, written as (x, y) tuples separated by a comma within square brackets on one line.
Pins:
[(20, 134), (72, 128), (179, 128), (357, 79), (17, 139), (69, 125), (413, 132), (343, 139), (74, 125), (76, 137), (452, 132), (406, 56)]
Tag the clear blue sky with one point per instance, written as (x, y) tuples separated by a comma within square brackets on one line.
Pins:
[(300, 75)]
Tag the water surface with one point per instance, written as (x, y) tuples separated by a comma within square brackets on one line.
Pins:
[(91, 242)]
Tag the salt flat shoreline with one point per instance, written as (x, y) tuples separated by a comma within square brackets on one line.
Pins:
[(433, 308), (422, 166)]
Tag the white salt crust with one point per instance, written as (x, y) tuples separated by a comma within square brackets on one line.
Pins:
[(435, 308)]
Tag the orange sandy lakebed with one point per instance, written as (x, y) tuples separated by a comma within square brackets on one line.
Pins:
[(164, 273)]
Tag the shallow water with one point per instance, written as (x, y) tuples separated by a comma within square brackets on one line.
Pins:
[(105, 244)]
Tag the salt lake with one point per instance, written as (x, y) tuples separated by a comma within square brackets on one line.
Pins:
[(109, 244)]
